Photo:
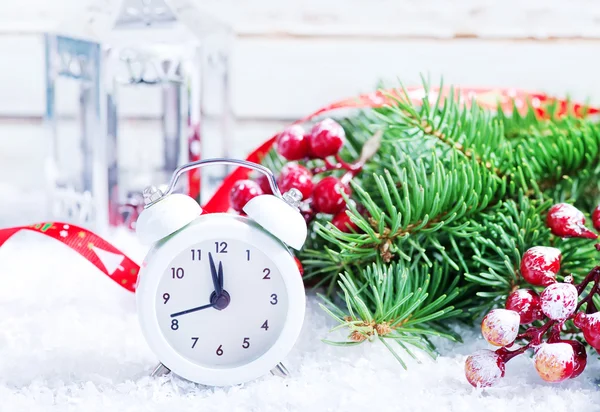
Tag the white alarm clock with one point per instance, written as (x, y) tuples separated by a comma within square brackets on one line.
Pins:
[(220, 297)]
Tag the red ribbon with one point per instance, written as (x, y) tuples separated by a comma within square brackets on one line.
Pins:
[(110, 260), (121, 269)]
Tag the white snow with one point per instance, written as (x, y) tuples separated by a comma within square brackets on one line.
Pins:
[(70, 341)]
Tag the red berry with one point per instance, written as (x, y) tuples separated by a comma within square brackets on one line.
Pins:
[(580, 357), (263, 182), (590, 326), (555, 362), (500, 327), (342, 221), (559, 301), (596, 218), (326, 138), (295, 176), (484, 368), (241, 192), (527, 304), (565, 220), (292, 144), (327, 196), (540, 264)]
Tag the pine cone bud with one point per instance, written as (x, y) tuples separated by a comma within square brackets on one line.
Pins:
[(356, 336), (383, 329)]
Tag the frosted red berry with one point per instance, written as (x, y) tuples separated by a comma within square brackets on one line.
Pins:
[(263, 182), (295, 176), (579, 357), (559, 301), (555, 362), (327, 195), (527, 304), (540, 264), (342, 221), (484, 368), (596, 218), (241, 192), (500, 327), (292, 143), (326, 138), (565, 220), (590, 326)]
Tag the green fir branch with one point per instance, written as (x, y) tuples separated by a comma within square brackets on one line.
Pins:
[(453, 198)]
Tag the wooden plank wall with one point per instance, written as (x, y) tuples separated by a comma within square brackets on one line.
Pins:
[(293, 56)]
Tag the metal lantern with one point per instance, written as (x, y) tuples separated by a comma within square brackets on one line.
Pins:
[(161, 59)]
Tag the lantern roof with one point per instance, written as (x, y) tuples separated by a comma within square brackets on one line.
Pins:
[(119, 22)]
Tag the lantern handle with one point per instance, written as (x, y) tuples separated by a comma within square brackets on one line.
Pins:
[(153, 194)]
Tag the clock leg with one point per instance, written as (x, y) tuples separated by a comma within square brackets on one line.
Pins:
[(280, 370), (160, 370)]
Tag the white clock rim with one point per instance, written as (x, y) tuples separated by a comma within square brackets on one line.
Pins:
[(201, 229)]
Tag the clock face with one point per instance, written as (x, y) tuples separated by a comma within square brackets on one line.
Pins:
[(221, 303)]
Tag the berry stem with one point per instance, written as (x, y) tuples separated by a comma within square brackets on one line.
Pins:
[(555, 333), (507, 355), (592, 276), (327, 167), (591, 307), (534, 335), (588, 298), (538, 333), (353, 168)]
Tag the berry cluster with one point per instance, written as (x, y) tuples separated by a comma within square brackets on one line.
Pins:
[(321, 194), (555, 358)]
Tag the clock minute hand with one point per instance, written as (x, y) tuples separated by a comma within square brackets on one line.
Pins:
[(185, 312), (215, 276)]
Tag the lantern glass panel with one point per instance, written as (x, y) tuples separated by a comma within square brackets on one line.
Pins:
[(73, 114)]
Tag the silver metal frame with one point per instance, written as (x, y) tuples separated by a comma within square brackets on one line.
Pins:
[(153, 194)]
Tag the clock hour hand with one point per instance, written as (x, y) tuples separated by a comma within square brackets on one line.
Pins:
[(185, 312), (215, 276), (220, 276)]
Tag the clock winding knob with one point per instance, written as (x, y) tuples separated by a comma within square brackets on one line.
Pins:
[(293, 197), (151, 194)]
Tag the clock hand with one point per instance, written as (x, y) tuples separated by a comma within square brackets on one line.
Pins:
[(215, 276), (220, 276), (185, 312)]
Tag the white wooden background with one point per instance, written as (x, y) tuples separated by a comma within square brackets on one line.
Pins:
[(290, 57), (293, 56)]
